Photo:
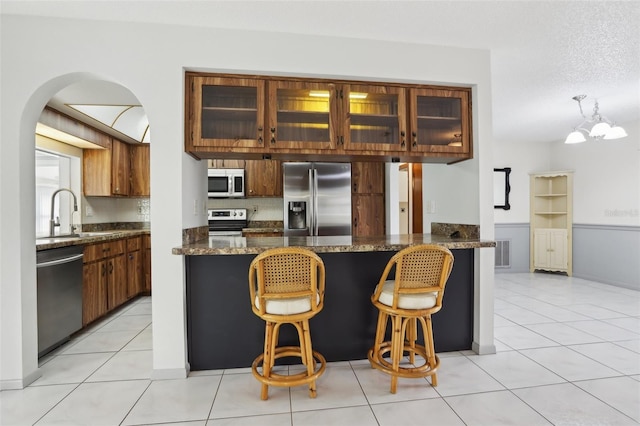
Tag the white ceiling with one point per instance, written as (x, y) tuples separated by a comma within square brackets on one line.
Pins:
[(542, 52)]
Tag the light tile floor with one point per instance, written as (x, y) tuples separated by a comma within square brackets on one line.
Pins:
[(568, 353)]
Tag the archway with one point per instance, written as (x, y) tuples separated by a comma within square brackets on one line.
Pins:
[(19, 306)]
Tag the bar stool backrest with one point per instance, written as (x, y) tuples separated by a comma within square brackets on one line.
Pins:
[(287, 273), (419, 269)]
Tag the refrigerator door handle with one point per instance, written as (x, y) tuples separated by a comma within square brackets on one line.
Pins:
[(313, 180)]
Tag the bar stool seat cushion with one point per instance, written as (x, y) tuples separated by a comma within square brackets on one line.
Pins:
[(289, 306), (407, 301)]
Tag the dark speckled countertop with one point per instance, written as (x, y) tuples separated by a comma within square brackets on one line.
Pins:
[(87, 238), (336, 244)]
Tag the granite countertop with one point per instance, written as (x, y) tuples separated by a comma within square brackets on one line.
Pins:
[(87, 238), (261, 230), (337, 244)]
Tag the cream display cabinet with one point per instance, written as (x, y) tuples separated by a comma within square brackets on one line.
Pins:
[(550, 239)]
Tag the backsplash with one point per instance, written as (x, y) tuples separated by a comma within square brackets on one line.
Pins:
[(269, 208), (99, 210)]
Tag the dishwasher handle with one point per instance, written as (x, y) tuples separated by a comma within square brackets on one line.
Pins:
[(60, 261)]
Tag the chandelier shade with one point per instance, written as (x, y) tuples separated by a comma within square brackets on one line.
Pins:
[(602, 128)]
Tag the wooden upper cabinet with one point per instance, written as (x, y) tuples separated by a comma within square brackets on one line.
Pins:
[(120, 168), (367, 178), (238, 117), (225, 112), (105, 172), (302, 115), (96, 172), (374, 117), (225, 164), (440, 121), (140, 186), (263, 178)]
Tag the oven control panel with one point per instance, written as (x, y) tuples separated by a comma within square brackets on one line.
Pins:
[(227, 214)]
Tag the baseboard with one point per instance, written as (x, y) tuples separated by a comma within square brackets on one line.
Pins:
[(20, 383), (169, 373), (483, 350)]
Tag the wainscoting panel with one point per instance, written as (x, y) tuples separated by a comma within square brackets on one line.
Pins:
[(517, 235), (608, 254)]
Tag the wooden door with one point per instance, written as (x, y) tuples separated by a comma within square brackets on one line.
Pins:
[(558, 249), (302, 115), (96, 172), (117, 281), (263, 178), (146, 248), (225, 112), (94, 291), (140, 178), (367, 211), (367, 178), (374, 118), (134, 273), (440, 121), (120, 168)]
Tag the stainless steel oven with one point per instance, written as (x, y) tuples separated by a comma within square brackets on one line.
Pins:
[(227, 222)]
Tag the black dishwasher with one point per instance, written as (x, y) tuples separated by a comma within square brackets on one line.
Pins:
[(59, 273)]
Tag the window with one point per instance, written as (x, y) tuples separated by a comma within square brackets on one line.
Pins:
[(53, 171)]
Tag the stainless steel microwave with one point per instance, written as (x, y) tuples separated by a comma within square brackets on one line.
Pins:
[(226, 183)]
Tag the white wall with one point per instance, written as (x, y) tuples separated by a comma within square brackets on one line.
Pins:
[(523, 159), (42, 55), (606, 181)]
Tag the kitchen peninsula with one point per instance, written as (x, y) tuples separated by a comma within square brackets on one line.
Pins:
[(224, 333)]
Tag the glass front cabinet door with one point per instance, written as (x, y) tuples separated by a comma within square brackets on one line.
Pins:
[(227, 112), (374, 118), (302, 115), (439, 120)]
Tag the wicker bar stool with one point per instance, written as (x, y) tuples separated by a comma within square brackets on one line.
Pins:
[(287, 287), (416, 292)]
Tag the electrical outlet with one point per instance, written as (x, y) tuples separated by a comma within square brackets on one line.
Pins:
[(195, 207), (255, 209), (88, 211)]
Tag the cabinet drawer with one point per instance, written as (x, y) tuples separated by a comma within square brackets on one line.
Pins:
[(134, 244), (99, 251)]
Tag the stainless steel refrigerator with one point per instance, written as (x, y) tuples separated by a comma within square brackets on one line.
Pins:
[(317, 198)]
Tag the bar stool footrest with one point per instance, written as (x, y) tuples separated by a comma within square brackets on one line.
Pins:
[(289, 380), (424, 370)]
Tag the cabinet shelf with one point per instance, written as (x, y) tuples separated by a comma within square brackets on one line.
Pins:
[(229, 114), (437, 118), (550, 195), (551, 213), (302, 117), (374, 120)]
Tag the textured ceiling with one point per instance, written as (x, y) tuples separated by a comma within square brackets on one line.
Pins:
[(542, 52)]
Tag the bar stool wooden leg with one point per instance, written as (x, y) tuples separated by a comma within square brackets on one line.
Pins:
[(412, 332), (268, 357), (397, 344), (308, 355), (431, 350)]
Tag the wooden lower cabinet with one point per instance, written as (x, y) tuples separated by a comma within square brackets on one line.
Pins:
[(116, 281), (113, 273), (146, 262), (134, 267), (94, 291)]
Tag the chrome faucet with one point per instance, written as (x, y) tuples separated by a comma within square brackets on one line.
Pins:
[(53, 223)]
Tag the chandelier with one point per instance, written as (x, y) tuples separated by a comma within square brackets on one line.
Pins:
[(602, 127)]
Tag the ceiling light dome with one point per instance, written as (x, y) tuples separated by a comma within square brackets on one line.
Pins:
[(601, 128)]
